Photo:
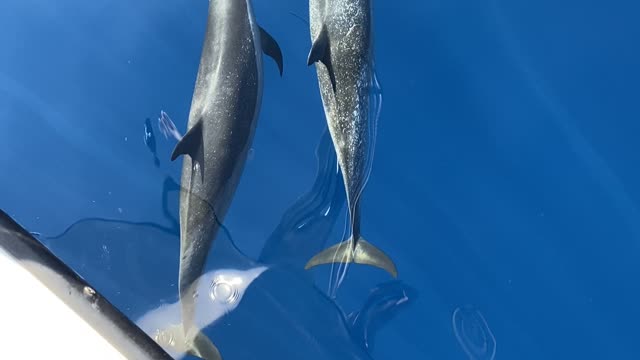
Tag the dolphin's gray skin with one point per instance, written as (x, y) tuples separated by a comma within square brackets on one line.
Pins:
[(220, 130), (343, 52)]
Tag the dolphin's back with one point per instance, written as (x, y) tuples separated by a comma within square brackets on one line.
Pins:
[(342, 50), (225, 102), (221, 127), (348, 27)]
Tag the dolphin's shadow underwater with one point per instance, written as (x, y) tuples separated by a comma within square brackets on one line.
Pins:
[(306, 225), (279, 311)]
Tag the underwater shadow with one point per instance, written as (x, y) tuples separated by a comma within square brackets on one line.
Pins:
[(269, 305)]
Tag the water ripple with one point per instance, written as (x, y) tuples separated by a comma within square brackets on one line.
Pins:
[(473, 333)]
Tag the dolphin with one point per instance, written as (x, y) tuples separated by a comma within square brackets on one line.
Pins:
[(144, 293), (321, 328), (220, 130), (342, 49)]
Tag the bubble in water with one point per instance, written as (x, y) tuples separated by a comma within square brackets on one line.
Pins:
[(251, 154), (105, 255), (223, 291), (473, 333)]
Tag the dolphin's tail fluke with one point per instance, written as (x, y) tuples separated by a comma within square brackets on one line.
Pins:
[(199, 345), (363, 253), (202, 347)]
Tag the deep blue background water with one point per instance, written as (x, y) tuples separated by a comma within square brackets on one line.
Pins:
[(506, 170)]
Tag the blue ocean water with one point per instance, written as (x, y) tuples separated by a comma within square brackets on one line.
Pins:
[(505, 183)]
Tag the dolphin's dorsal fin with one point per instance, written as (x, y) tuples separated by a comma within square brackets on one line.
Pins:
[(271, 48), (321, 51), (192, 144)]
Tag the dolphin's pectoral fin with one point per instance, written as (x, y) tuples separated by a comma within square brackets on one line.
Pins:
[(363, 253), (192, 144), (271, 48), (321, 51)]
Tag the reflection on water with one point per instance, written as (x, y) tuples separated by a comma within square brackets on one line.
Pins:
[(139, 269), (383, 303), (167, 127), (473, 333), (219, 292), (242, 301), (306, 225), (150, 141)]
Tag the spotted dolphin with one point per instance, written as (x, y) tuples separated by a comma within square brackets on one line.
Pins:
[(342, 49), (220, 130)]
